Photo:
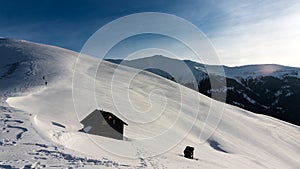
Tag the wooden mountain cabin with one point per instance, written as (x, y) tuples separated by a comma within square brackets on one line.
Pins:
[(103, 123)]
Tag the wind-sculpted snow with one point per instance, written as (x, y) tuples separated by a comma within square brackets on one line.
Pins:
[(268, 89), (241, 140)]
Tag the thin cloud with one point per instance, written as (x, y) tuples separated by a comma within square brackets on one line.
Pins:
[(252, 39)]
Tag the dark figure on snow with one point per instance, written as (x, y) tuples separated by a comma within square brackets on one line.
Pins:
[(189, 152), (46, 83)]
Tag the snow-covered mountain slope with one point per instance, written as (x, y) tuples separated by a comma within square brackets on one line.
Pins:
[(24, 64), (159, 114), (266, 89)]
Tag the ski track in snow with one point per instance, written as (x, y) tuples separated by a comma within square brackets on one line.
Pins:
[(146, 161)]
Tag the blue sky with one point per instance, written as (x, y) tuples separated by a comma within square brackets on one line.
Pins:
[(243, 32)]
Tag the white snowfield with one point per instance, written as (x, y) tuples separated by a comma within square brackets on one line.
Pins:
[(40, 125)]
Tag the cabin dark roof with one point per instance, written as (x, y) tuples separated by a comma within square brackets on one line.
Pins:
[(103, 123), (115, 117), (105, 112)]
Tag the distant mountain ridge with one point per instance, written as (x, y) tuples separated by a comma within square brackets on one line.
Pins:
[(268, 89)]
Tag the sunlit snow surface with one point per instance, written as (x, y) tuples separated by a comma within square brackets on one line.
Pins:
[(155, 138)]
